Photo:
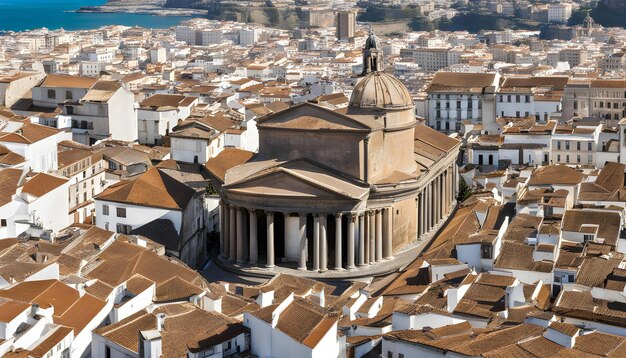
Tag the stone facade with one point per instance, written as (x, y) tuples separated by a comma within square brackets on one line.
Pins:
[(339, 189)]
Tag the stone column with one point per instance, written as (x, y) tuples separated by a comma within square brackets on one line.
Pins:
[(302, 259), (366, 233), (323, 243), (270, 239), (435, 198), (254, 238), (338, 239), (372, 229), (387, 233), (455, 183), (240, 257), (419, 215), (316, 242), (442, 194), (361, 258), (226, 226), (427, 209), (351, 239), (222, 231), (379, 235), (233, 233)]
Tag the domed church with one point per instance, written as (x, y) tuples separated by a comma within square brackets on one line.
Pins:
[(337, 190)]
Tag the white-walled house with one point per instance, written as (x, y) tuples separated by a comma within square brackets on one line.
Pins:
[(155, 198), (278, 330), (57, 89), (106, 111), (36, 143), (160, 113), (195, 142), (45, 196), (16, 85)]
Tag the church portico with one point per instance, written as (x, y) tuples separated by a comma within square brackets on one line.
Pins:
[(337, 192)]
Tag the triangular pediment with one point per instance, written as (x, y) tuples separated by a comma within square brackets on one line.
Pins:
[(308, 116), (298, 180)]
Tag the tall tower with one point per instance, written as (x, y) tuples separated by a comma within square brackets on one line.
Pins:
[(372, 55), (589, 24), (346, 24)]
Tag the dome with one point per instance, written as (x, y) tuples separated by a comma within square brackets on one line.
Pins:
[(380, 90)]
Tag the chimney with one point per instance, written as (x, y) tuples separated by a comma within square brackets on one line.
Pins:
[(160, 321)]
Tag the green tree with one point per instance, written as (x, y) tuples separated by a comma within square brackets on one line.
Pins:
[(464, 191)]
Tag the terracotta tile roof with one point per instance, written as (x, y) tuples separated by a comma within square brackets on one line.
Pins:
[(81, 313), (162, 100), (601, 344), (46, 293), (138, 284), (554, 175), (176, 289), (121, 260), (305, 322), (42, 183), (29, 133), (581, 304), (99, 290), (608, 223), (457, 81), (9, 180), (9, 158), (153, 188), (11, 309), (519, 256), (102, 91), (126, 332), (565, 328), (51, 341), (68, 81), (593, 272), (228, 158)]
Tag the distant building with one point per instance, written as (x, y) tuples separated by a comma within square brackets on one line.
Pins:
[(346, 24)]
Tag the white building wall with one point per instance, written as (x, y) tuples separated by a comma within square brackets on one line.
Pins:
[(136, 215)]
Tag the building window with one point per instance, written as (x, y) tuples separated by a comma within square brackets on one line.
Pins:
[(527, 99), (588, 238), (389, 354), (3, 222), (567, 145), (121, 212), (577, 145), (486, 251), (106, 226), (105, 210), (124, 229), (52, 94), (558, 145), (68, 95)]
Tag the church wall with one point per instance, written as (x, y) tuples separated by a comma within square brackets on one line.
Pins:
[(404, 223), (376, 157), (399, 152), (336, 150)]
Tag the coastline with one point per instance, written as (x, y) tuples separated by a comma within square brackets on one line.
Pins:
[(141, 10)]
